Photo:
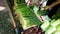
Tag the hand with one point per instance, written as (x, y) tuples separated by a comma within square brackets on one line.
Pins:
[(47, 7)]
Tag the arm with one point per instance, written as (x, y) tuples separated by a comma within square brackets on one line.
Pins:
[(55, 3)]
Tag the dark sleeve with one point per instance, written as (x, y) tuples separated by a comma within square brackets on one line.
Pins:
[(50, 2), (53, 11)]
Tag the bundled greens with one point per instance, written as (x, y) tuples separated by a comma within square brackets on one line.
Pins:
[(28, 16)]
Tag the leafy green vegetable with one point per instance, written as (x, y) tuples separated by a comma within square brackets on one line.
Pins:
[(58, 27), (50, 30), (57, 22), (45, 25), (28, 15)]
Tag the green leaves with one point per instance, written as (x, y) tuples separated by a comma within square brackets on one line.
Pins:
[(28, 15), (43, 12)]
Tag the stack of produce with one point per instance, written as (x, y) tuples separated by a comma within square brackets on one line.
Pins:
[(52, 27)]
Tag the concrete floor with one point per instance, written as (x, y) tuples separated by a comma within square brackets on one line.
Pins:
[(5, 20)]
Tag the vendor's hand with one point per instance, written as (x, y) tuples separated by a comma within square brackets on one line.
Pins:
[(47, 7)]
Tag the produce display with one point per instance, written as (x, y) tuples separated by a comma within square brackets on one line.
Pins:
[(31, 20)]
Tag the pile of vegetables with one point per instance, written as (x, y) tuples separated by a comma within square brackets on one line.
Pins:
[(28, 16), (52, 27)]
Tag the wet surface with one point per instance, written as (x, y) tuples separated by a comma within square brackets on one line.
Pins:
[(5, 23)]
